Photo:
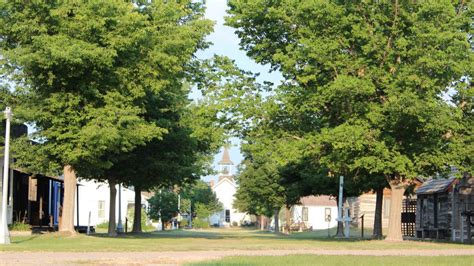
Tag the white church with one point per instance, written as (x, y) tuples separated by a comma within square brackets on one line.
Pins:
[(225, 189)]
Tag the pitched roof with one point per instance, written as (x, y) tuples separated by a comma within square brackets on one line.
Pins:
[(435, 186), (225, 157), (322, 200), (224, 180)]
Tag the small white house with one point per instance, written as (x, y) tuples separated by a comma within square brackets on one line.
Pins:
[(94, 198), (316, 212), (225, 190)]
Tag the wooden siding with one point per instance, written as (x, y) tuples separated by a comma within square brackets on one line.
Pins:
[(365, 204)]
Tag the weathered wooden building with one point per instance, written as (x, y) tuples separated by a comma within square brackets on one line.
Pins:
[(365, 205), (444, 209)]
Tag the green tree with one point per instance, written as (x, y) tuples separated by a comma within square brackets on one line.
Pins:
[(199, 193), (259, 191), (87, 70), (163, 205), (365, 82)]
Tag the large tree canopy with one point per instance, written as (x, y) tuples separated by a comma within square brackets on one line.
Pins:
[(365, 81), (88, 69)]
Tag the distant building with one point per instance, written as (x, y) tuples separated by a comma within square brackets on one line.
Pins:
[(94, 198), (225, 190), (315, 212)]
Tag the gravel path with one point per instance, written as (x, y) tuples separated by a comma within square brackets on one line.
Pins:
[(177, 258)]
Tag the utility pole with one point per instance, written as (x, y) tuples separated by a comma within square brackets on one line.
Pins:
[(179, 211), (340, 219), (120, 225), (4, 234)]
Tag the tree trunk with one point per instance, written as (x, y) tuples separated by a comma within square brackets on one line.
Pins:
[(67, 217), (137, 214), (340, 224), (262, 221), (287, 220), (277, 220), (395, 218), (340, 229), (377, 233), (112, 231)]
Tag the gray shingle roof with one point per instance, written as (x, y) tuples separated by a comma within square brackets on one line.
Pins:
[(435, 186)]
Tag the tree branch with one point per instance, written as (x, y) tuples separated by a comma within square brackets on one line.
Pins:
[(389, 41)]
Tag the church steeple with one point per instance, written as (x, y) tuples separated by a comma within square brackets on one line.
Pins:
[(225, 157), (225, 165)]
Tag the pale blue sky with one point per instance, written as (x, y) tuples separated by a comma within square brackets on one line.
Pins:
[(226, 43)]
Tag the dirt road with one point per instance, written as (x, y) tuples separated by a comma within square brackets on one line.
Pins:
[(177, 258)]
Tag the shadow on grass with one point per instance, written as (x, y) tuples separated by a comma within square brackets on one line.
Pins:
[(26, 239), (320, 235)]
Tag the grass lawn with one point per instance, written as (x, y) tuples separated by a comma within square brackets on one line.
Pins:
[(212, 239), (340, 260)]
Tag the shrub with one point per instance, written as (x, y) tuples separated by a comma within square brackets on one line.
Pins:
[(18, 226), (234, 223), (184, 223), (104, 225), (144, 220), (148, 228), (200, 223), (248, 224)]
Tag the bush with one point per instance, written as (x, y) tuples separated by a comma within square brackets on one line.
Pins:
[(104, 225), (234, 224), (184, 223), (144, 220), (148, 228), (18, 226), (200, 223), (248, 224)]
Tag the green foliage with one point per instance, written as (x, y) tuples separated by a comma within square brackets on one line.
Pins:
[(104, 225), (365, 85), (199, 195), (163, 205), (203, 211), (98, 79), (143, 221), (201, 223), (184, 223), (259, 191), (18, 226)]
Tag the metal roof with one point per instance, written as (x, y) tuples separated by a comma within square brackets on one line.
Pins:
[(435, 186)]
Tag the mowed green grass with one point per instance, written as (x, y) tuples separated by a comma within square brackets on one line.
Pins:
[(212, 239), (340, 260)]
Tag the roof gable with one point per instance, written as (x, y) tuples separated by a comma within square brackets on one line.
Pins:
[(222, 181), (435, 186)]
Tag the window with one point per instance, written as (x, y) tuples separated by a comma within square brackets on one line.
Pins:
[(386, 208), (101, 209), (327, 214), (305, 214), (227, 216)]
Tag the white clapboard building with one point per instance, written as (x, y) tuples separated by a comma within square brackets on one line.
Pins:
[(316, 212), (94, 199)]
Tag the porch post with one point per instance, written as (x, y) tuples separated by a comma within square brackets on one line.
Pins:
[(454, 214), (77, 206), (4, 234)]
